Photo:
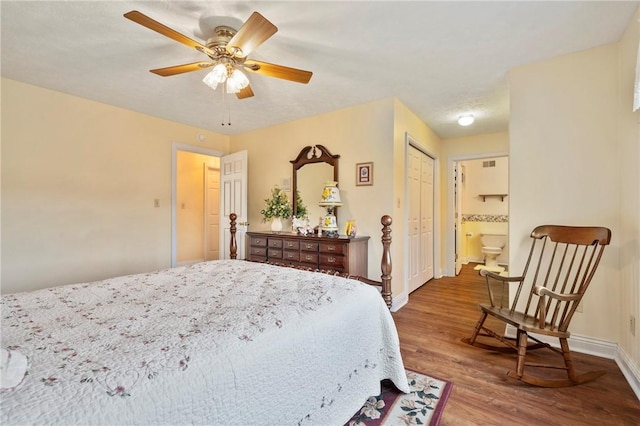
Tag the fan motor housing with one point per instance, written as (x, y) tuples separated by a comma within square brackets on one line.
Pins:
[(218, 43)]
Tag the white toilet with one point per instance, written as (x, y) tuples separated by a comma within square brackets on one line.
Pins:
[(492, 245)]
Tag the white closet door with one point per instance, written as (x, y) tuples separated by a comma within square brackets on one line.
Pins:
[(426, 218), (415, 278), (421, 221)]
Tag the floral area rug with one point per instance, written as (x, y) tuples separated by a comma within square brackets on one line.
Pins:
[(423, 406)]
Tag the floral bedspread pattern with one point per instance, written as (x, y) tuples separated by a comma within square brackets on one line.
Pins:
[(193, 344)]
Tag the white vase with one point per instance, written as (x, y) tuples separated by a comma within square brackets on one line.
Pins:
[(276, 224)]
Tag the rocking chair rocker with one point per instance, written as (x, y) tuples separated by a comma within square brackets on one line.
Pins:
[(561, 264)]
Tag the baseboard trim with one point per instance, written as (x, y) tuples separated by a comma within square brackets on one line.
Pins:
[(629, 370), (597, 347), (399, 302)]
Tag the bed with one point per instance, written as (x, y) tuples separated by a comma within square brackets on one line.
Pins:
[(219, 342)]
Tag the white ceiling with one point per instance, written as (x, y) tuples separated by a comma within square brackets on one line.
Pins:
[(440, 59)]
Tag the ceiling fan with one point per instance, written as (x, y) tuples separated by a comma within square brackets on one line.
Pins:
[(227, 50)]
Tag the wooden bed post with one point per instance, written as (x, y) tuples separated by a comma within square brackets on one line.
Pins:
[(233, 246), (386, 259)]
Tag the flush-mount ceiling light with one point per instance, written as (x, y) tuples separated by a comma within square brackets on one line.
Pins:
[(465, 119)]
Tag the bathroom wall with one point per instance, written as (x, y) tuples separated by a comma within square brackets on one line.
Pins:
[(488, 214)]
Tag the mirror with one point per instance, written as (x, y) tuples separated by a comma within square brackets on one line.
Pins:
[(314, 166)]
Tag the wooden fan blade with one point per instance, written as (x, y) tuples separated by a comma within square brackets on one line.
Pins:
[(156, 26), (252, 34), (278, 71), (179, 69), (245, 93)]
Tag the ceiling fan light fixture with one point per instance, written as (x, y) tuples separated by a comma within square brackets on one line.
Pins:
[(465, 119), (219, 72), (236, 81), (225, 72), (216, 76)]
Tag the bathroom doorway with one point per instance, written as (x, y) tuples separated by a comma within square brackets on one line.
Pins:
[(479, 203)]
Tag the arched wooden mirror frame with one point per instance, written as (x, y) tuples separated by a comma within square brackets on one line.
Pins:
[(311, 155)]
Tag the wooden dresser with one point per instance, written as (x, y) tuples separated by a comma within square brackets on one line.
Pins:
[(342, 254)]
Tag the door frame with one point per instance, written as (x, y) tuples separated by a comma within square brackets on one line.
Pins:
[(175, 147), (450, 267), (437, 270)]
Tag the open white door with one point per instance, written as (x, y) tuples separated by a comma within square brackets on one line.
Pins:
[(233, 199)]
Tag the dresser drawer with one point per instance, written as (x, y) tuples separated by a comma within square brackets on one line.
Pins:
[(258, 241), (330, 261), (275, 243), (333, 248), (258, 251), (290, 244), (309, 257), (342, 254), (274, 253), (308, 246), (292, 256)]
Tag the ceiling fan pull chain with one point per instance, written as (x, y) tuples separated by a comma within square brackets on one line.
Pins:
[(224, 102)]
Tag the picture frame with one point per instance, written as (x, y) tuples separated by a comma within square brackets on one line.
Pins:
[(364, 174)]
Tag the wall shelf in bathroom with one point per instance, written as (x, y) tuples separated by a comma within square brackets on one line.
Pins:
[(484, 196)]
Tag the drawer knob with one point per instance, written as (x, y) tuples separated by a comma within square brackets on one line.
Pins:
[(331, 248), (331, 259), (307, 257)]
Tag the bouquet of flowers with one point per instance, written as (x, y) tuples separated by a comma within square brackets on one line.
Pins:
[(276, 206)]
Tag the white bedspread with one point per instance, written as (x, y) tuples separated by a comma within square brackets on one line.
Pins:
[(224, 342)]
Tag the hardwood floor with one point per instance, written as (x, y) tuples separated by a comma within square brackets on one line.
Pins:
[(431, 327)]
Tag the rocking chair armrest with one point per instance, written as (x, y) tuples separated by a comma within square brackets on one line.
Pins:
[(498, 277), (543, 291)]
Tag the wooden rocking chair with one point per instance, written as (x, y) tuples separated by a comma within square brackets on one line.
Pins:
[(561, 264)]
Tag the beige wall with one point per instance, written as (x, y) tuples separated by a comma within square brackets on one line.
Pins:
[(587, 145), (565, 166), (628, 161), (79, 180)]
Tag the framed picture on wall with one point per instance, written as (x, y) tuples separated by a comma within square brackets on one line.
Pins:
[(364, 174)]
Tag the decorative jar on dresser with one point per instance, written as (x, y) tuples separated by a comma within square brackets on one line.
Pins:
[(341, 254)]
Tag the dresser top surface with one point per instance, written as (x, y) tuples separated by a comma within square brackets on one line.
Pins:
[(293, 235)]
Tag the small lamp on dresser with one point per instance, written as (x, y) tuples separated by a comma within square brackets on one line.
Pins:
[(330, 199)]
